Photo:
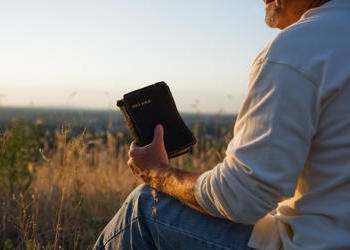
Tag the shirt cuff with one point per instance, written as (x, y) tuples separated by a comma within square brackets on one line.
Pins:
[(201, 197)]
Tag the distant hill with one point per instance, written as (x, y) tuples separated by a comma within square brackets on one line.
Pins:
[(95, 120)]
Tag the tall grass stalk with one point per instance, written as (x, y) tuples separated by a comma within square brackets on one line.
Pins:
[(79, 184)]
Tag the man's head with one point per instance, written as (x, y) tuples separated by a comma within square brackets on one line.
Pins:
[(282, 13)]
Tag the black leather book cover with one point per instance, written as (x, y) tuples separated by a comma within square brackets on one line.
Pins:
[(144, 108)]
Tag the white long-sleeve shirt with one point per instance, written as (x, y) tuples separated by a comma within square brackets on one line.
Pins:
[(287, 169)]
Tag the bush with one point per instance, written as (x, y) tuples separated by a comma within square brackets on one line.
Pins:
[(19, 148)]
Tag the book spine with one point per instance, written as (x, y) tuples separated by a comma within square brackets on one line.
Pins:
[(129, 123)]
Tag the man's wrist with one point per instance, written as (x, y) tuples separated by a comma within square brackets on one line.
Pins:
[(158, 175), (175, 182)]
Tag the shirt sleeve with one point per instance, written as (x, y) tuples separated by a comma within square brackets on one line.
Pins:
[(272, 136)]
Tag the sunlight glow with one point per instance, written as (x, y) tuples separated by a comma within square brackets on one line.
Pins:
[(202, 49)]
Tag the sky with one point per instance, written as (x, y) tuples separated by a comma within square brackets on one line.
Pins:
[(88, 53)]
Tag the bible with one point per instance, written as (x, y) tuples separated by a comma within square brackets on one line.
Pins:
[(144, 108)]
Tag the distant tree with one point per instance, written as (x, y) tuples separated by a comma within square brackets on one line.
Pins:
[(19, 148)]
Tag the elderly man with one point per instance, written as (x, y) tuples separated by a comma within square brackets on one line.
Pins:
[(285, 180)]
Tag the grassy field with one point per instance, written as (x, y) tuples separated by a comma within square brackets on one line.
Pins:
[(59, 186)]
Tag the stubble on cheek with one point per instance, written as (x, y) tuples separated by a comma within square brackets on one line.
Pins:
[(272, 13)]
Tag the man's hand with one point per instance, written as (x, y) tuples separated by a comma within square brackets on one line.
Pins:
[(144, 161), (150, 165)]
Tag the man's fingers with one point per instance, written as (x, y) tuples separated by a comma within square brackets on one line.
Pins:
[(157, 143), (132, 149), (130, 162)]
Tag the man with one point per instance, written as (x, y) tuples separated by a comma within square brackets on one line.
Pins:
[(285, 181)]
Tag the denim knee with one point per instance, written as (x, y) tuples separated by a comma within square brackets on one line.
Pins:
[(127, 222)]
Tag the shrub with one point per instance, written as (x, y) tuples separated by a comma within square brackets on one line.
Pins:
[(19, 149)]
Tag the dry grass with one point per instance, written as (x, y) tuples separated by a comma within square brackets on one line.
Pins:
[(78, 186)]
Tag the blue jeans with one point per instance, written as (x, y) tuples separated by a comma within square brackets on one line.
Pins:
[(154, 220)]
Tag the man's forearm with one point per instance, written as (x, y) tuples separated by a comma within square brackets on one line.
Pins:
[(150, 165), (175, 182)]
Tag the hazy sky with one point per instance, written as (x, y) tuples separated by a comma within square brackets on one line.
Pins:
[(85, 53)]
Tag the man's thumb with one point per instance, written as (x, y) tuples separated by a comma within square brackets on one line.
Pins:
[(158, 137)]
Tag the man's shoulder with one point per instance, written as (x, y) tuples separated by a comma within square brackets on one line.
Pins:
[(314, 33), (294, 40), (315, 43), (308, 40)]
